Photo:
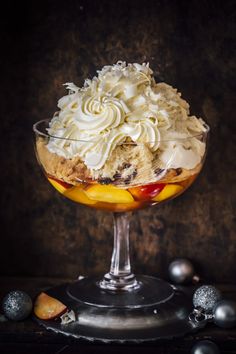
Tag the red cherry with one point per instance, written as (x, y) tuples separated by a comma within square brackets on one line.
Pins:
[(146, 192)]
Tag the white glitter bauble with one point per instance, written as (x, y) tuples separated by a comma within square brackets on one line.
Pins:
[(17, 305), (206, 297)]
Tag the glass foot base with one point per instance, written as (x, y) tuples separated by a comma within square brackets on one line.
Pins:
[(149, 291), (154, 311)]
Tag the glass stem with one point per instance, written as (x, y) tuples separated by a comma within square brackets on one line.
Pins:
[(120, 276), (120, 261)]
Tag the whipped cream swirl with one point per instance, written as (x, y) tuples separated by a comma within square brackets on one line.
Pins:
[(124, 104)]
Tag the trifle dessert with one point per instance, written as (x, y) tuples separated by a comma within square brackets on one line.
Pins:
[(122, 141)]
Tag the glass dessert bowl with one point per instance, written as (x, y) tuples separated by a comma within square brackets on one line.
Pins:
[(119, 144), (131, 188)]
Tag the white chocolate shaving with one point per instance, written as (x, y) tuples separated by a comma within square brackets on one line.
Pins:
[(68, 317)]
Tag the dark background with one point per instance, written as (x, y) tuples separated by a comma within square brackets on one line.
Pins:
[(189, 45)]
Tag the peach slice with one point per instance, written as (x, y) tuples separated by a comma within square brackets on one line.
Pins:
[(108, 194), (47, 307), (78, 195), (59, 185), (168, 191)]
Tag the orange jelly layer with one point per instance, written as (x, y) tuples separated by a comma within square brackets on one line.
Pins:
[(112, 198)]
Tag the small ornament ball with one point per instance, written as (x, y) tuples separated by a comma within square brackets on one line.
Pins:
[(17, 305), (225, 314), (205, 347), (181, 271), (206, 297)]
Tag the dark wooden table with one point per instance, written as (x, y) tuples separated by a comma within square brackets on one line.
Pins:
[(28, 337)]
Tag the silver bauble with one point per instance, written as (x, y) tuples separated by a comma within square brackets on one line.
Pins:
[(205, 347), (181, 271), (206, 297), (17, 305), (225, 314)]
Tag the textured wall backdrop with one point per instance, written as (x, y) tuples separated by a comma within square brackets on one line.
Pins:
[(189, 45)]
